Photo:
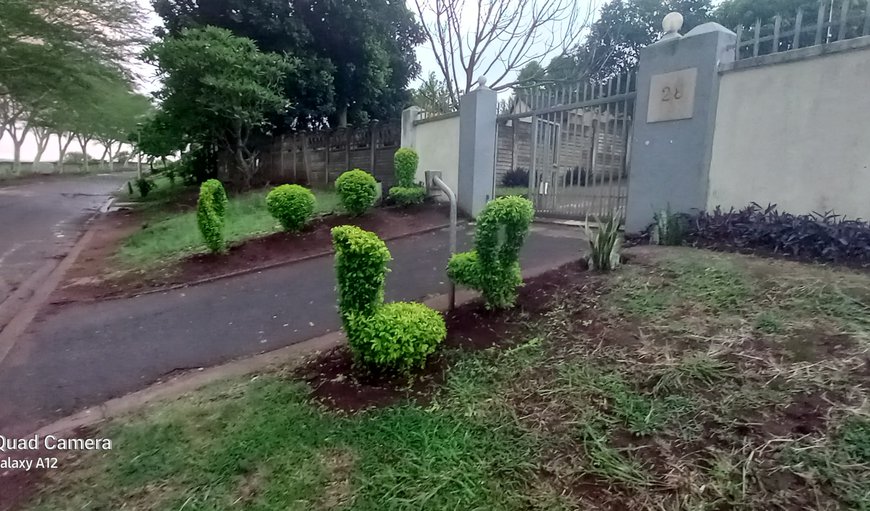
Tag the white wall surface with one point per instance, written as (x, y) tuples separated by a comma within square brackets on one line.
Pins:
[(796, 134), (437, 144)]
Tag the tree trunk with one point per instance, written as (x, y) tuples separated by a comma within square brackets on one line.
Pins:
[(83, 142), (62, 148)]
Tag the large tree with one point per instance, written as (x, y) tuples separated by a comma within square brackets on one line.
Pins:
[(355, 59), (219, 90), (624, 27), (496, 38)]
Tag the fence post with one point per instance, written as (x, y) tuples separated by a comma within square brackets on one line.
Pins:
[(477, 139), (675, 114)]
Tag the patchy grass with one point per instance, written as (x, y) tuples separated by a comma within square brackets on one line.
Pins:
[(172, 236), (164, 193), (522, 191), (686, 381)]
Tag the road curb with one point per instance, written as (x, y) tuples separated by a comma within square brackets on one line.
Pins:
[(291, 355), (31, 297), (239, 273)]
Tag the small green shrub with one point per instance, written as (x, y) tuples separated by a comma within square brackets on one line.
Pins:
[(357, 190), (210, 211), (407, 195), (144, 185), (291, 205), (405, 162), (398, 336), (605, 244), (493, 267)]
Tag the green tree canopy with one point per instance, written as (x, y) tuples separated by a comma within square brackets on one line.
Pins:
[(355, 59), (219, 89)]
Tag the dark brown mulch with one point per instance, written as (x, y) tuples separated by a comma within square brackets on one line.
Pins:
[(336, 384), (86, 280)]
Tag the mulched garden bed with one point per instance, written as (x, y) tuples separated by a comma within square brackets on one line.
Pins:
[(338, 385), (86, 280)]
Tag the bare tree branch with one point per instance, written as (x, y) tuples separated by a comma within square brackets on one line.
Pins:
[(498, 37)]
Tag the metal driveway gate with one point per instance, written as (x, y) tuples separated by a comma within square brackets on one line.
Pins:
[(573, 141)]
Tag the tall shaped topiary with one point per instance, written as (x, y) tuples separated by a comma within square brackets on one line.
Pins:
[(405, 162), (398, 336), (210, 212), (493, 266), (406, 192)]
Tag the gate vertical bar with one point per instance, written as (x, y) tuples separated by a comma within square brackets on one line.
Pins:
[(844, 19), (798, 24)]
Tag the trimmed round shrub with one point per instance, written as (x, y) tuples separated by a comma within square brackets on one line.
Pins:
[(493, 266), (291, 205), (210, 212), (405, 162), (398, 336), (407, 195), (357, 190)]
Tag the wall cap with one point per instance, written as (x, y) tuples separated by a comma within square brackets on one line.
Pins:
[(858, 43)]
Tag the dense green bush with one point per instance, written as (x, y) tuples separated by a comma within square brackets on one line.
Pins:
[(493, 266), (357, 190), (144, 185), (407, 195), (405, 162), (210, 211), (515, 178), (396, 336), (291, 205)]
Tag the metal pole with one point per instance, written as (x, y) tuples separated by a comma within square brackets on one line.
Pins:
[(452, 197)]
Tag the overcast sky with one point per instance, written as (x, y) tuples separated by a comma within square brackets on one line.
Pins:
[(148, 84)]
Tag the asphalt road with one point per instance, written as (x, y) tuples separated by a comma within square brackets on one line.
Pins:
[(41, 218), (88, 353)]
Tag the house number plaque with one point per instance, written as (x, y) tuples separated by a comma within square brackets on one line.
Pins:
[(672, 96)]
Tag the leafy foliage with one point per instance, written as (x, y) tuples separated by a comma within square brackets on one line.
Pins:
[(493, 266), (355, 59), (210, 212), (218, 89), (291, 205), (516, 177), (357, 190), (407, 195), (605, 243), (405, 162), (820, 237), (144, 185), (396, 336)]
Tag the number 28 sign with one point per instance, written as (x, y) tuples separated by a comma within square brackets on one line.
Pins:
[(672, 96)]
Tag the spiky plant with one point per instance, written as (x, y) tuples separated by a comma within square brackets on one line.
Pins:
[(605, 243), (669, 228)]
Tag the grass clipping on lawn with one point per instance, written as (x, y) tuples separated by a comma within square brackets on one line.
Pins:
[(688, 380)]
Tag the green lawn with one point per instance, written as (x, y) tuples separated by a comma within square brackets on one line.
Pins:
[(688, 380), (175, 235)]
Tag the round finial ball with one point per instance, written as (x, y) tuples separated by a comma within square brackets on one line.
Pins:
[(481, 82), (672, 23)]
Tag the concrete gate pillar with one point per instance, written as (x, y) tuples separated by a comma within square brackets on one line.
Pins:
[(477, 132), (675, 115)]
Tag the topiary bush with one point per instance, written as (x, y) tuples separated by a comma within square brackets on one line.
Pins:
[(357, 190), (407, 195), (291, 205), (405, 162), (210, 212), (397, 336), (493, 266)]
